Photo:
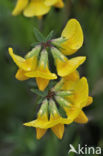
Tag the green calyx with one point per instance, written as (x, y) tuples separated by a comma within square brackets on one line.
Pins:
[(63, 93), (34, 52), (44, 107), (52, 107), (62, 101)]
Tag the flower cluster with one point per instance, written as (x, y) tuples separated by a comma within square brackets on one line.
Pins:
[(37, 8), (72, 97), (64, 102), (36, 65)]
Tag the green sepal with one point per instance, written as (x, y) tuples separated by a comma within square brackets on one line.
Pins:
[(57, 42), (63, 93), (62, 101), (52, 107), (44, 107), (57, 54), (34, 52), (44, 58), (58, 85)]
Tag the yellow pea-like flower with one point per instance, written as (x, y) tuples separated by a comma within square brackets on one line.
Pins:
[(64, 65), (42, 73), (37, 8), (71, 38), (42, 123), (29, 63), (72, 96)]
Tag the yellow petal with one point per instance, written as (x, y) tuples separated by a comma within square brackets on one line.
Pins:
[(36, 8), (40, 133), (82, 118), (72, 77), (59, 4), (58, 130), (27, 65), (66, 67), (21, 4), (20, 75), (42, 83), (50, 3), (42, 72), (74, 35), (90, 101)]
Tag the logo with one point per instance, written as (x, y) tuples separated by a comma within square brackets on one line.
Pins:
[(85, 150)]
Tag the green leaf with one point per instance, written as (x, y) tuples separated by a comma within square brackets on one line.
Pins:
[(50, 35), (37, 92), (39, 36)]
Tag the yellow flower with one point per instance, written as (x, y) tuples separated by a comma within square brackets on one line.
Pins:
[(71, 38), (29, 63), (72, 96), (42, 123), (80, 98), (36, 7), (29, 67), (64, 65), (42, 73)]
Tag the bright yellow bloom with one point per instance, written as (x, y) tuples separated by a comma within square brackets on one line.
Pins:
[(71, 38), (64, 65), (36, 7), (80, 98), (29, 68), (42, 73), (72, 96), (42, 123)]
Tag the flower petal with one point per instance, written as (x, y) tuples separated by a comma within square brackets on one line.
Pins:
[(72, 77), (59, 4), (58, 130), (74, 35), (36, 8), (90, 101), (20, 75), (42, 83), (21, 4), (50, 3), (66, 67), (40, 133), (25, 64), (82, 118)]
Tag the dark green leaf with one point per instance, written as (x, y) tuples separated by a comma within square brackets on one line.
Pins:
[(50, 35), (39, 36)]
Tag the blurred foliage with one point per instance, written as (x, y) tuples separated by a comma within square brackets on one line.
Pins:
[(17, 103)]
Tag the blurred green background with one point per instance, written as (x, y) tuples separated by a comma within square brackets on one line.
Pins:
[(17, 103)]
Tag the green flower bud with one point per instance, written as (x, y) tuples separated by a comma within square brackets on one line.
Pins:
[(62, 101)]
